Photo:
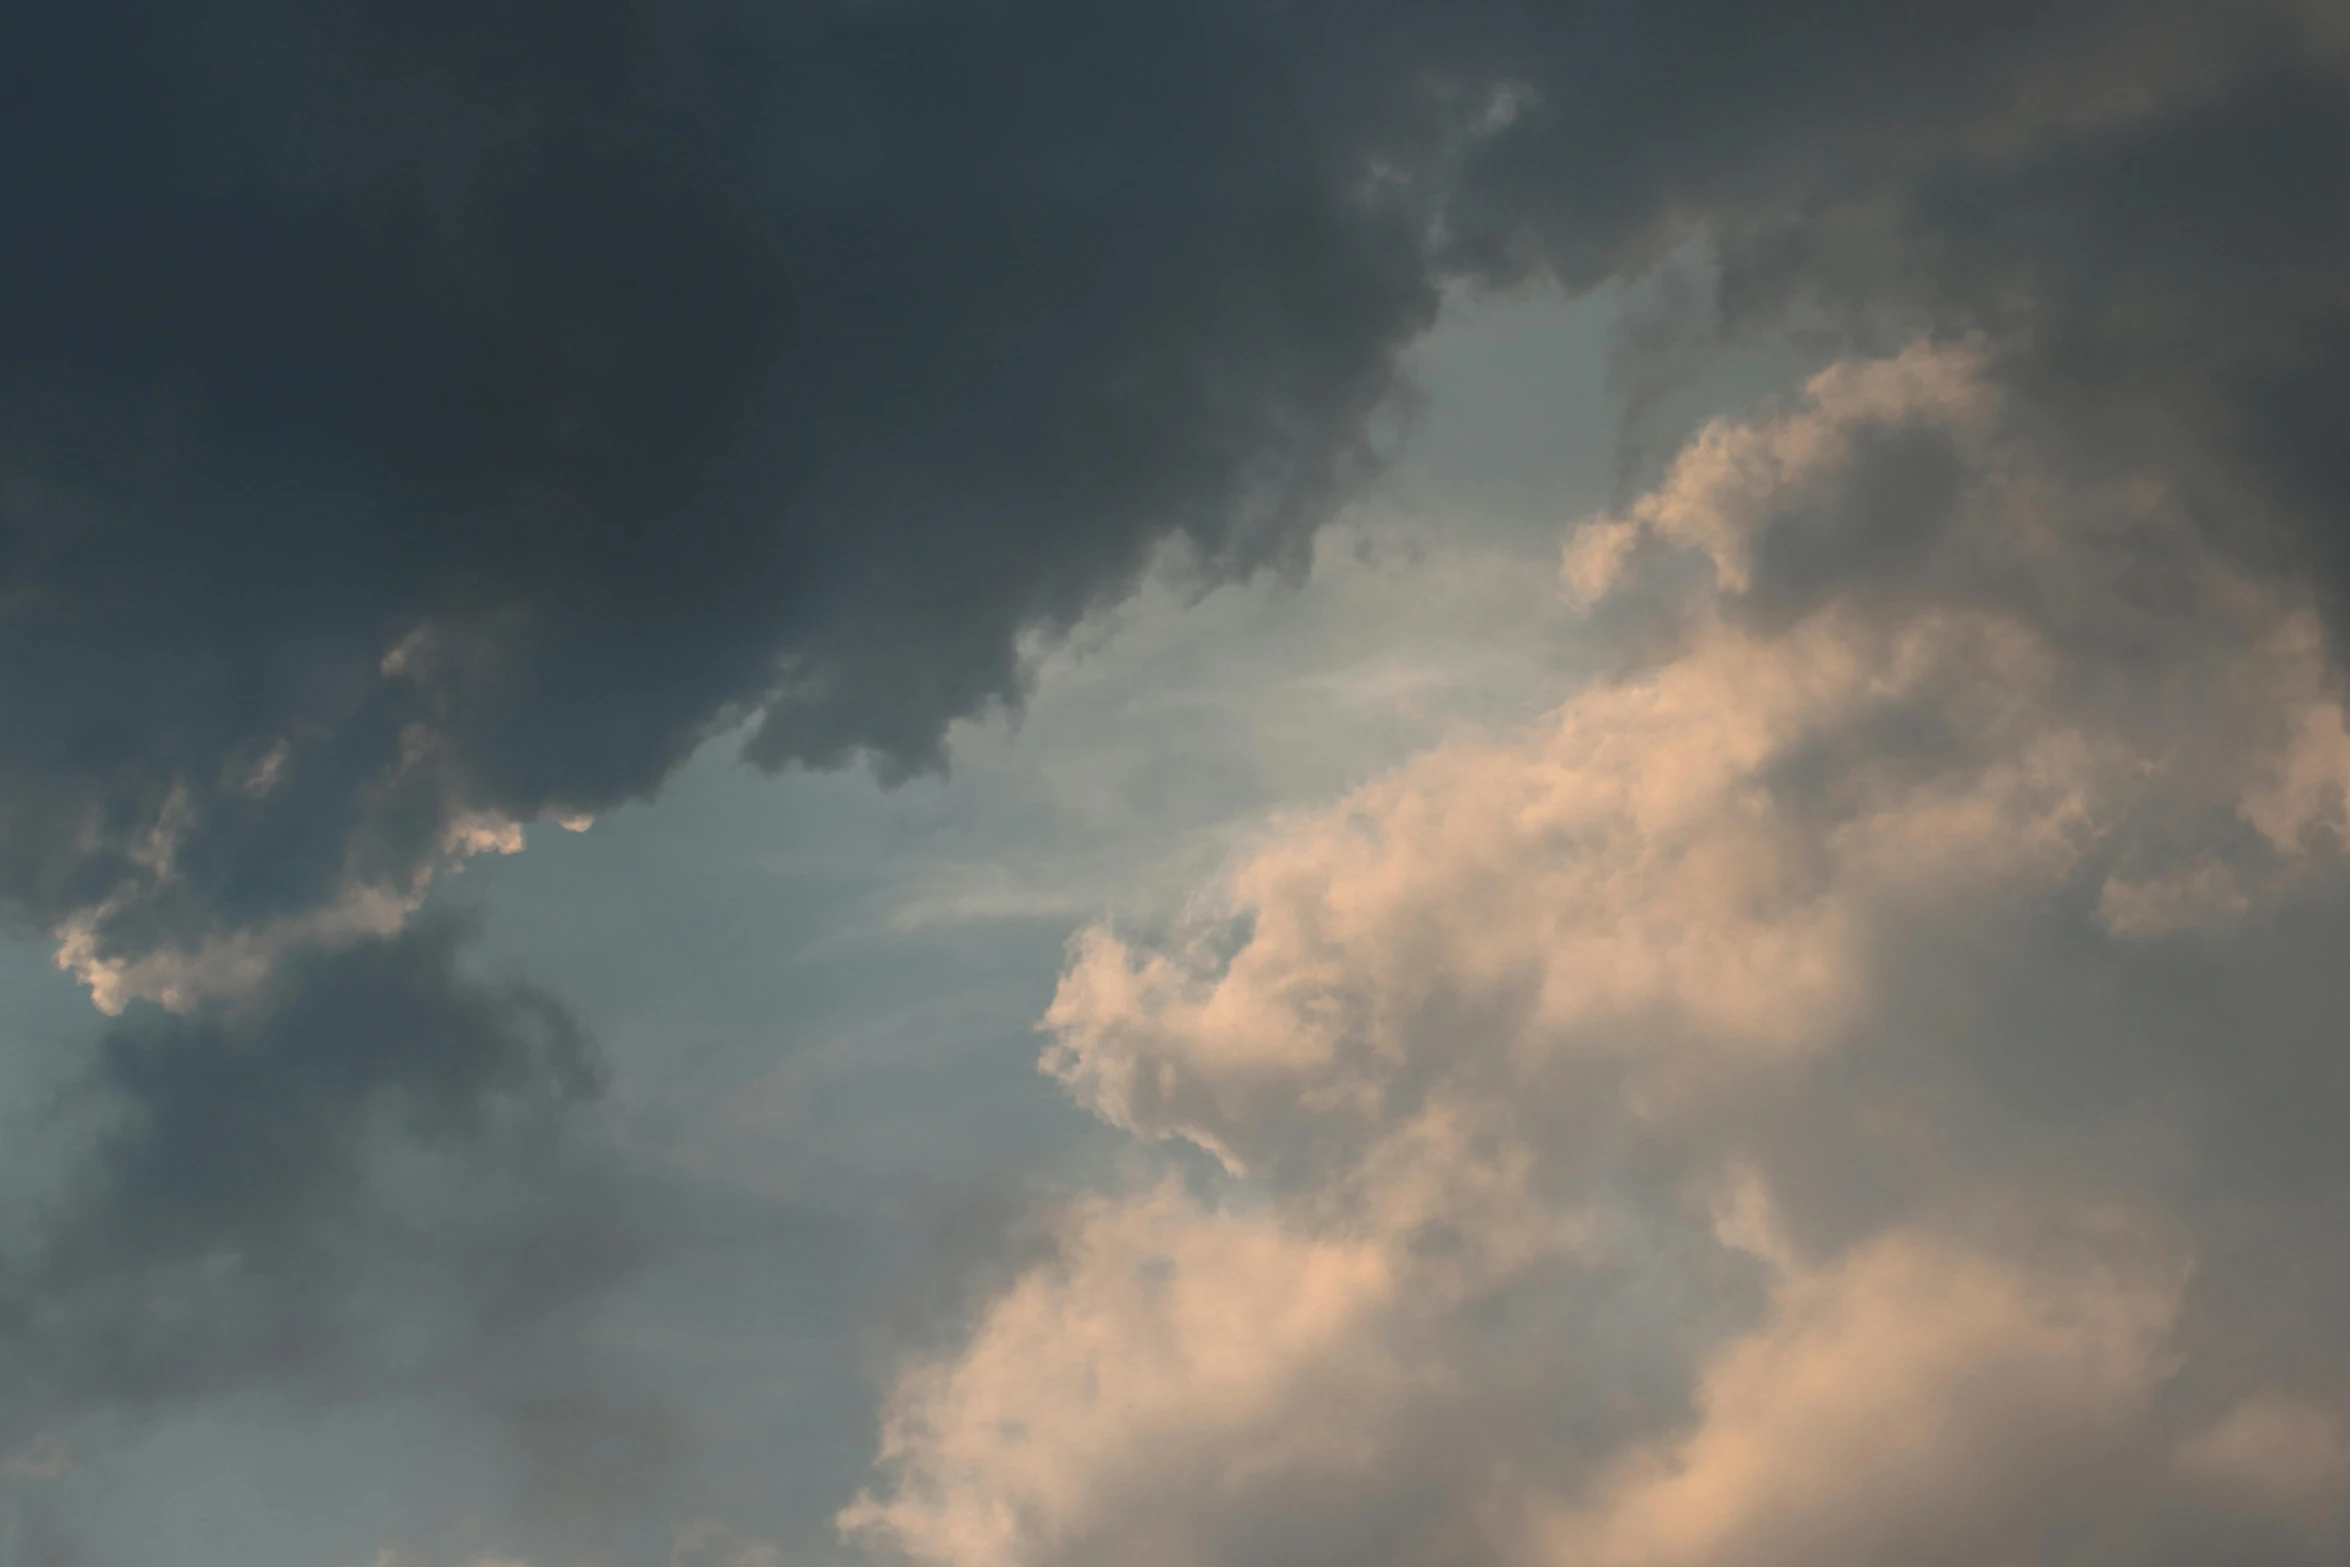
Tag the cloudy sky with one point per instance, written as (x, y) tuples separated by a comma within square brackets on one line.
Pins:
[(1227, 783)]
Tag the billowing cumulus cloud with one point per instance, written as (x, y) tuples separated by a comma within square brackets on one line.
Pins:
[(1605, 1176)]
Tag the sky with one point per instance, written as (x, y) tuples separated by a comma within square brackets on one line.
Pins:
[(1498, 784)]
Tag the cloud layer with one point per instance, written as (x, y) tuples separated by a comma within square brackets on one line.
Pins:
[(1611, 1174)]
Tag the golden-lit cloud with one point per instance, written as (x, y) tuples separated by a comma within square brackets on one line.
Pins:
[(1602, 1183)]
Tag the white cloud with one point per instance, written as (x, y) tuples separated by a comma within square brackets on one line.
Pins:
[(1164, 1334), (1593, 1194), (1915, 1401)]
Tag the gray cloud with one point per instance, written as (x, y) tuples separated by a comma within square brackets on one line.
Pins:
[(365, 1176), (415, 419), (628, 373)]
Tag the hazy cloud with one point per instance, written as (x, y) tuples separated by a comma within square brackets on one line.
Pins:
[(364, 1175)]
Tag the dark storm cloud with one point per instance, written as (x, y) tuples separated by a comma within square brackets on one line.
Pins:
[(636, 369), (365, 1171), (414, 412)]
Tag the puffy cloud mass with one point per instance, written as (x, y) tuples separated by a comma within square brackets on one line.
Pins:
[(1749, 1117)]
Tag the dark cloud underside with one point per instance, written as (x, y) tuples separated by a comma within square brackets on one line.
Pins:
[(652, 366), (638, 369)]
